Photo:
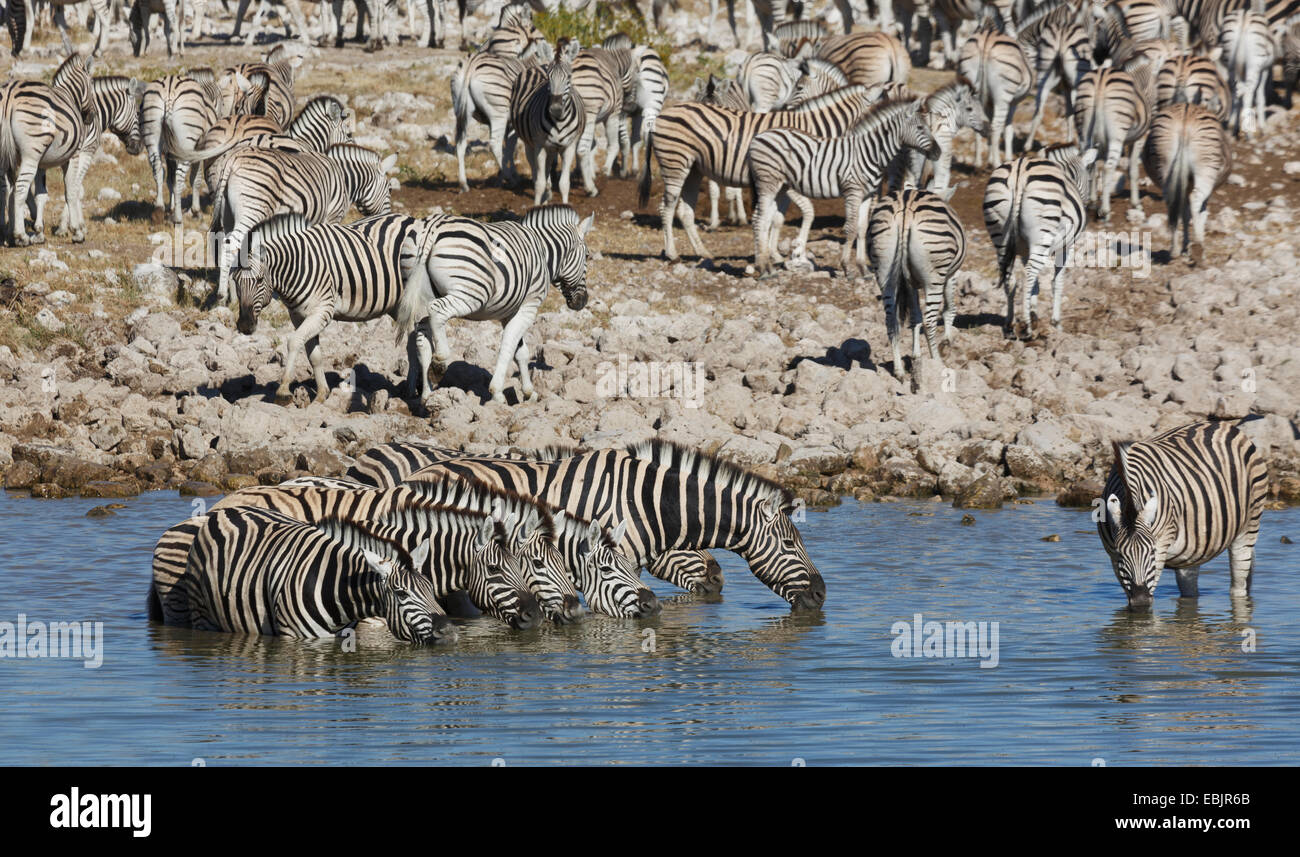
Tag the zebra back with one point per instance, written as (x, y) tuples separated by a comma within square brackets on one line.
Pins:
[(322, 122)]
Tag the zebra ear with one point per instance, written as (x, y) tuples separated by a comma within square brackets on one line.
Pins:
[(619, 532), (946, 194), (593, 533), (498, 508), (1150, 510), (770, 510), (558, 517), (242, 82), (483, 537), (585, 226), (1088, 157), (1114, 512), (387, 164), (377, 564), (418, 556)]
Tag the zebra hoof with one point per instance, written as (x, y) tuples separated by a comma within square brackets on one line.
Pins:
[(22, 240), (499, 398), (530, 396), (38, 237), (1195, 254)]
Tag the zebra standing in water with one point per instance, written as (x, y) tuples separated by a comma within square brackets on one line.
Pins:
[(1056, 42), (256, 184), (1187, 153), (480, 89), (497, 271), (697, 141), (849, 167), (948, 109), (42, 126), (1034, 210), (694, 571), (329, 271), (1178, 500), (1112, 113), (675, 499), (549, 117), (1248, 55), (916, 245), (996, 66), (262, 572)]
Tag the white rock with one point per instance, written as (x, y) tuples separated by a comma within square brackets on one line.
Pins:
[(48, 320)]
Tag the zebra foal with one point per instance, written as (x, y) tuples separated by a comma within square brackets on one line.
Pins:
[(1179, 499)]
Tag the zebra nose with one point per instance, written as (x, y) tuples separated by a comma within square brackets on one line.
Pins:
[(646, 603), (813, 597), (529, 615), (712, 583), (1139, 600), (571, 609), (444, 630)]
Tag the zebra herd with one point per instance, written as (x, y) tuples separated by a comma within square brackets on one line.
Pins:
[(411, 526)]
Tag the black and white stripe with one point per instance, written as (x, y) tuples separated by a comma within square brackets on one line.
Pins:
[(604, 81), (175, 112), (1179, 499), (549, 117), (948, 109), (1112, 115), (1193, 79), (996, 66), (1188, 155), (141, 10), (1055, 41), (1248, 53)]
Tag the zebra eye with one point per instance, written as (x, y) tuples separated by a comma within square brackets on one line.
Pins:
[(401, 593), (538, 564), (788, 542)]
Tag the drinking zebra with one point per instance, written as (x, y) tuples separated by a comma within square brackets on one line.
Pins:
[(694, 571), (1177, 500), (673, 498), (549, 117), (1248, 55), (528, 532), (849, 167), (1187, 153), (327, 272), (42, 126), (1034, 211), (256, 184), (501, 272), (480, 89), (998, 70), (262, 572), (916, 244), (697, 141), (1112, 114)]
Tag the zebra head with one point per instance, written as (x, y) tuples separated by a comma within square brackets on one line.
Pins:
[(969, 112), (544, 567), (559, 79), (693, 570), (118, 101), (1136, 557), (254, 294), (775, 553), (606, 575), (495, 581), (410, 603), (915, 131), (369, 183), (571, 272)]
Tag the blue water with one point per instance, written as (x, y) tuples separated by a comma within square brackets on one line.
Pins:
[(735, 679)]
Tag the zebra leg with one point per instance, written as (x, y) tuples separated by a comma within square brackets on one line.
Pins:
[(566, 168), (714, 219), (512, 342), (1045, 85), (736, 207), (1109, 169), (22, 188), (537, 159), (690, 192), (931, 317), (763, 204), (38, 200), (864, 217), (949, 308), (852, 205), (171, 29), (74, 174), (442, 310), (996, 130), (586, 160), (1197, 210), (615, 134), (889, 293), (1134, 160), (506, 163), (317, 363), (522, 359), (462, 143), (1241, 559), (1186, 577), (307, 329)]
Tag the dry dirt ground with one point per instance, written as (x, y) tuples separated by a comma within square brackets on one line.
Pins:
[(798, 366)]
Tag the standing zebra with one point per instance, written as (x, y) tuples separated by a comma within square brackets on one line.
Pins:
[(866, 58), (1188, 155), (480, 89), (1034, 210), (1178, 500), (848, 167), (603, 80), (916, 245), (329, 271), (948, 109), (767, 80), (651, 90), (675, 498), (726, 93), (498, 271), (996, 66), (549, 117), (256, 184), (42, 126), (513, 32), (175, 112), (1056, 42), (1248, 55), (139, 21), (694, 571), (693, 142), (262, 572), (117, 103), (1193, 79), (1112, 113)]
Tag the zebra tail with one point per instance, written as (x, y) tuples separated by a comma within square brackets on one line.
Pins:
[(460, 100), (1177, 178), (191, 155), (1010, 237), (643, 189), (413, 308), (153, 606)]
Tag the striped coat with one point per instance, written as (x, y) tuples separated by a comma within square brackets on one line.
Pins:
[(1179, 499), (549, 118), (1188, 155), (175, 112)]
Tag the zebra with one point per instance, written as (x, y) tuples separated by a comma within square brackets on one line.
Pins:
[(1179, 499), (256, 184), (325, 272), (674, 498), (1034, 211), (1056, 41), (949, 109), (529, 530), (726, 93), (19, 13), (647, 104), (41, 126), (480, 89), (1112, 113), (263, 88), (117, 100), (767, 80), (602, 80), (1193, 79), (695, 141), (170, 10), (1119, 24), (170, 556), (498, 271), (866, 58), (513, 32), (295, 15), (1248, 53), (816, 78), (175, 112), (694, 571), (916, 244), (848, 167), (258, 571), (548, 118), (996, 66), (1188, 155)]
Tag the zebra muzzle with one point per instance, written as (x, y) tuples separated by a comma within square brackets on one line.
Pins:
[(575, 299)]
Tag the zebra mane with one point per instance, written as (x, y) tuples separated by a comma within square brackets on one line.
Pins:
[(1028, 28), (354, 153), (950, 92), (403, 507), (1121, 450), (548, 215), (320, 103), (692, 462), (201, 75), (618, 41), (838, 96), (814, 66), (882, 113), (458, 492), (370, 535)]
